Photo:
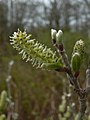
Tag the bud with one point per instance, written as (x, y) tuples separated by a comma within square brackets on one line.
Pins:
[(59, 37), (76, 117), (11, 63), (79, 47), (68, 112), (3, 100), (63, 118), (89, 117), (2, 117), (62, 107), (76, 62), (53, 34)]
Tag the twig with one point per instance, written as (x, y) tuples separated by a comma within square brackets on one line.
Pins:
[(88, 80), (73, 80)]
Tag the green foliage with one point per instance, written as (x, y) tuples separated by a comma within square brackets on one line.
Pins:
[(69, 112), (34, 51), (36, 89), (62, 107), (3, 104), (51, 66), (2, 117), (3, 100), (76, 62)]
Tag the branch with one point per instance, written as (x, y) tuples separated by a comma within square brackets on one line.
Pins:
[(73, 80), (88, 80), (45, 58), (87, 3)]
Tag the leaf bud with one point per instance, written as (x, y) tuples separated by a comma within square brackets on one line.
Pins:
[(62, 108), (53, 34), (59, 37), (76, 62), (79, 47), (2, 117), (68, 112), (3, 100)]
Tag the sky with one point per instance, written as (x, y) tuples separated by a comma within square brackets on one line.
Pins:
[(46, 1)]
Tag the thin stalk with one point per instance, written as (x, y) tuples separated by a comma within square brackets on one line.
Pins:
[(73, 81)]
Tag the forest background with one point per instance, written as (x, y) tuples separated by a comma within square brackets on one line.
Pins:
[(37, 94)]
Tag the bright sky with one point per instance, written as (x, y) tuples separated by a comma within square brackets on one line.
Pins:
[(45, 1)]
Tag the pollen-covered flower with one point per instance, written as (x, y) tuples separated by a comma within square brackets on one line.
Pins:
[(34, 51), (77, 55), (79, 47)]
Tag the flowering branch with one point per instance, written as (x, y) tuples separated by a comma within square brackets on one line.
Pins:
[(77, 57), (45, 58), (33, 51)]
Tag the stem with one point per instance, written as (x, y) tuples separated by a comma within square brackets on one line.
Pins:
[(73, 80), (88, 80), (82, 109)]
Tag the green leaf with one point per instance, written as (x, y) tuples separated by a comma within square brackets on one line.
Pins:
[(3, 100), (76, 62), (51, 66)]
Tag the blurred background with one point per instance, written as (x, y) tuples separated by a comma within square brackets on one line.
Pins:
[(38, 94)]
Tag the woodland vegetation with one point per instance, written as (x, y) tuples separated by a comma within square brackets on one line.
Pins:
[(40, 94)]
